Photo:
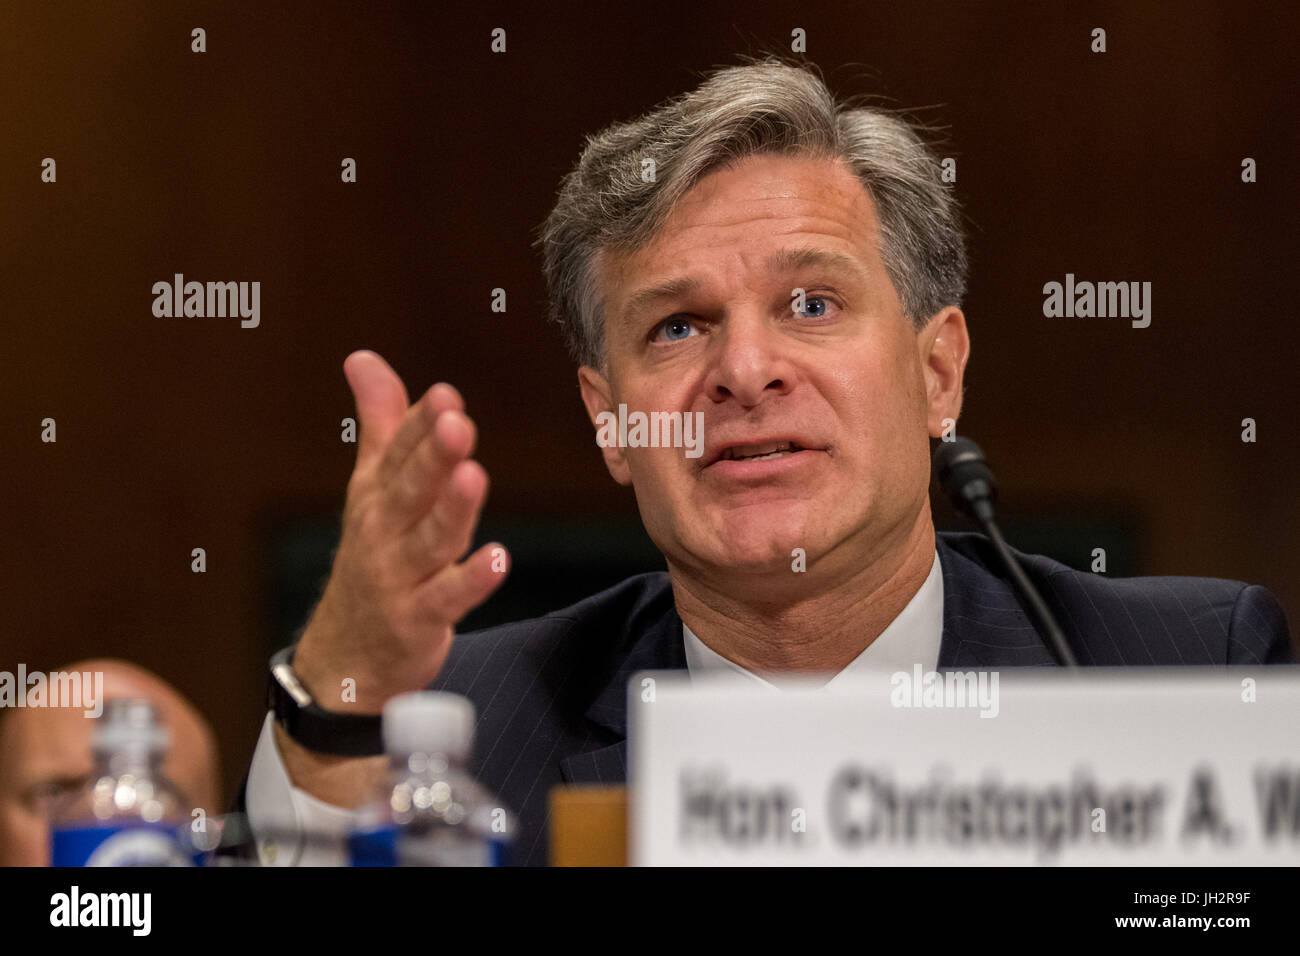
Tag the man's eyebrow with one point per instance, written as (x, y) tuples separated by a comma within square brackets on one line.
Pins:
[(51, 784), (790, 260), (670, 289), (786, 260)]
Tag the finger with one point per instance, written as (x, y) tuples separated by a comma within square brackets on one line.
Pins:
[(419, 420), (459, 588), (446, 532), (421, 480), (381, 402)]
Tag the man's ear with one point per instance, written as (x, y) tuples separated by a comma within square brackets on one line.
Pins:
[(944, 346), (604, 418)]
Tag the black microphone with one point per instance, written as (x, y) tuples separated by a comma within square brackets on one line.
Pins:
[(966, 479)]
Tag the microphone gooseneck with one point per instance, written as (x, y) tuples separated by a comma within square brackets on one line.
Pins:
[(967, 480)]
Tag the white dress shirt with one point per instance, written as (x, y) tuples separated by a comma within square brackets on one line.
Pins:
[(280, 813), (911, 638)]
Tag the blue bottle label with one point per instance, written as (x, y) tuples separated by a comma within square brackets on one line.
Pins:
[(388, 846), (375, 846), (140, 844)]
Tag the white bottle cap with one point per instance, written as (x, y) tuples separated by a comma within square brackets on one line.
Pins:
[(129, 724), (429, 722)]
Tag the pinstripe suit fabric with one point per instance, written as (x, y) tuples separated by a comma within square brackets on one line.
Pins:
[(551, 692)]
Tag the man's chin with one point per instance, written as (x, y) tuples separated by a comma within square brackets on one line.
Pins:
[(758, 557)]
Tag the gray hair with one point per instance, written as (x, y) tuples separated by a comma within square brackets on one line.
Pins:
[(766, 106)]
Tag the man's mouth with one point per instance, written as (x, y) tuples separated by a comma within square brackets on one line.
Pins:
[(759, 452)]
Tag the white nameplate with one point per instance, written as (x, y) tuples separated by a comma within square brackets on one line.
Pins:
[(1137, 766)]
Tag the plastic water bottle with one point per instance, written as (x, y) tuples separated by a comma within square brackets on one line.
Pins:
[(430, 812), (127, 813)]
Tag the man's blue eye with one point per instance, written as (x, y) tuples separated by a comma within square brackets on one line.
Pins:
[(810, 304), (674, 330)]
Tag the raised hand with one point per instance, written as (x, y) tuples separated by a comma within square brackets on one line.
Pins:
[(396, 589)]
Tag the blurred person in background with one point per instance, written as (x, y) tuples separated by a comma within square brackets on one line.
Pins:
[(45, 752)]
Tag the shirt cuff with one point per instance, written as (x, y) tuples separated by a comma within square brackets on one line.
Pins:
[(290, 826)]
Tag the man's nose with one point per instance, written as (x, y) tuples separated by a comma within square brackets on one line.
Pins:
[(750, 362)]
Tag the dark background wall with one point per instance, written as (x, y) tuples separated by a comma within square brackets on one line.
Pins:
[(183, 433)]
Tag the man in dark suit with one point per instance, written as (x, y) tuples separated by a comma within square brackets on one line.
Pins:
[(566, 674), (787, 274)]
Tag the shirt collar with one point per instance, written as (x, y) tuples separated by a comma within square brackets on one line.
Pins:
[(911, 638)]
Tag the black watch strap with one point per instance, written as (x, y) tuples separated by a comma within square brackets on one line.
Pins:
[(323, 731)]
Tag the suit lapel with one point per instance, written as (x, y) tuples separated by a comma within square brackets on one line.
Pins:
[(984, 625), (657, 647), (606, 765)]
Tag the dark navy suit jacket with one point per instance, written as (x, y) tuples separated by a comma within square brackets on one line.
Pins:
[(551, 693)]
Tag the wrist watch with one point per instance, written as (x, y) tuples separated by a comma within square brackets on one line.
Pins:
[(317, 729)]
